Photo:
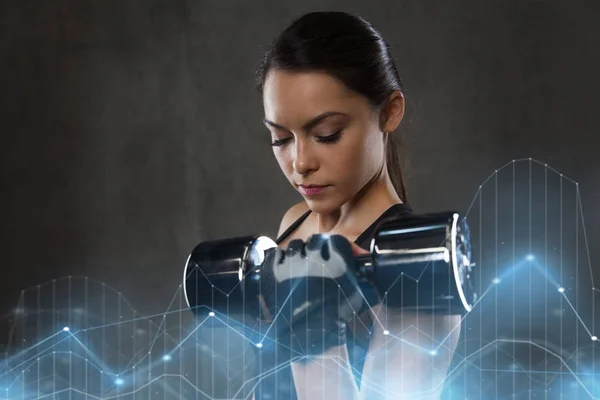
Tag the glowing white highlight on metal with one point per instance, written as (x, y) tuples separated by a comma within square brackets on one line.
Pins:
[(453, 235), (187, 263), (411, 230)]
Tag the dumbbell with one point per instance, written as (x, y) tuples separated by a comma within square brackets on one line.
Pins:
[(419, 263)]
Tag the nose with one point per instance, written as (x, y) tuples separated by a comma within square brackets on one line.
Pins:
[(305, 160)]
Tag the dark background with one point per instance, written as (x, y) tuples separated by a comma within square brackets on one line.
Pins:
[(131, 129)]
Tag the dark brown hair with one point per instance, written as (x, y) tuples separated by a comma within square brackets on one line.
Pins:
[(350, 49)]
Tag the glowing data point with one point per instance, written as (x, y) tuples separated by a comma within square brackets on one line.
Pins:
[(66, 329), (530, 257), (386, 332), (211, 314), (166, 357), (594, 338), (259, 345), (119, 381), (561, 289), (432, 352), (496, 281)]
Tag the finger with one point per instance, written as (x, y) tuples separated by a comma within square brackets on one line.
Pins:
[(296, 247)]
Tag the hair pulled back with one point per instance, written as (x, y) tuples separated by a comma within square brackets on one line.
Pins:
[(351, 50)]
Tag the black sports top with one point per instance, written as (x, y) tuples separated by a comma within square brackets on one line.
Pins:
[(396, 211), (280, 385)]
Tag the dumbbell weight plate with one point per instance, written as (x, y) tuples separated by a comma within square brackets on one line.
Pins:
[(218, 272), (423, 263)]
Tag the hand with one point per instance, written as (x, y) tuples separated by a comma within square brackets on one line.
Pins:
[(311, 292)]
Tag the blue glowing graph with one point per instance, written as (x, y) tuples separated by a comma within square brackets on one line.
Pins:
[(531, 334)]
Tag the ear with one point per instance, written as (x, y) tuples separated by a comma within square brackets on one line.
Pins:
[(393, 112)]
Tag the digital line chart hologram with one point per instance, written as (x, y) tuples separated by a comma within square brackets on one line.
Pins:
[(531, 333)]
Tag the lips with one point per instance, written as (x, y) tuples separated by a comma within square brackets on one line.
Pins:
[(312, 190)]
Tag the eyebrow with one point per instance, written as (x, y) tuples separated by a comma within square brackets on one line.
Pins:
[(310, 124)]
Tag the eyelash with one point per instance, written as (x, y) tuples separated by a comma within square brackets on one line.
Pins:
[(330, 139)]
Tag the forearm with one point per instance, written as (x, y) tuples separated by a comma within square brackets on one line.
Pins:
[(411, 362), (328, 376)]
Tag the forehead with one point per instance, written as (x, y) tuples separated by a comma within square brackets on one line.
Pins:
[(291, 97)]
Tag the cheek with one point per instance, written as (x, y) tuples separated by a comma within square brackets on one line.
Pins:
[(345, 160), (360, 159), (373, 147), (284, 160)]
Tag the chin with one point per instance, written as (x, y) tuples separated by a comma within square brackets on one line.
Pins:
[(323, 205)]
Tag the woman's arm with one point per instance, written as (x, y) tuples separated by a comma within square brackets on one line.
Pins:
[(328, 376), (410, 361)]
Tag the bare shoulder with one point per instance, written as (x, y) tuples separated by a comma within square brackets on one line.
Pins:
[(291, 215)]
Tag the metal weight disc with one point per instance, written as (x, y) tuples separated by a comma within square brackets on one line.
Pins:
[(215, 276), (423, 263)]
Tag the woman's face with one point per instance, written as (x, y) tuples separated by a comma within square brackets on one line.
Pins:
[(323, 134)]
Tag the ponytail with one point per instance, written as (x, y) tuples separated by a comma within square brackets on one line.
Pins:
[(394, 165)]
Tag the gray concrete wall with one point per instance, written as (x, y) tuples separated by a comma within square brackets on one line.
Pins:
[(131, 130)]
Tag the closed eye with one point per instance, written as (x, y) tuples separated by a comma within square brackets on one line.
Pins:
[(280, 142), (334, 137)]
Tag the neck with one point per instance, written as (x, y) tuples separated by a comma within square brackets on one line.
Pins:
[(369, 203)]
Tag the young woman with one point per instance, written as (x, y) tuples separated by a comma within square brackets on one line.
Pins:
[(332, 101)]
